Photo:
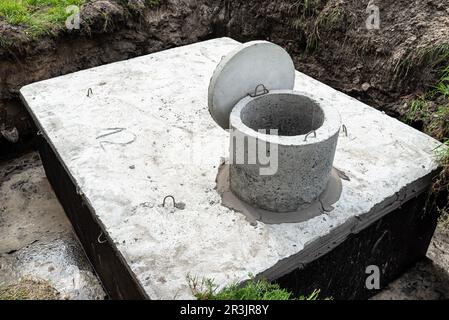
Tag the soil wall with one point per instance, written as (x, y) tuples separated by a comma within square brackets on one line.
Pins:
[(328, 39)]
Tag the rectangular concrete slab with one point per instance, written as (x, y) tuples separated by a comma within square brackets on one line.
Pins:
[(143, 132)]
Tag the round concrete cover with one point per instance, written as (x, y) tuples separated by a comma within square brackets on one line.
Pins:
[(241, 71)]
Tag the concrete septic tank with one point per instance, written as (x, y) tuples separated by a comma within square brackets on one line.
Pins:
[(282, 142), (144, 133), (303, 149)]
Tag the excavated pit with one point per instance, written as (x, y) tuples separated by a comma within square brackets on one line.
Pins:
[(112, 183)]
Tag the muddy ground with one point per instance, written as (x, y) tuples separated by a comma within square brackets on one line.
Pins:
[(328, 39)]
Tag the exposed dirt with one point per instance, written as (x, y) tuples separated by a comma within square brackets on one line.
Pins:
[(384, 67), (329, 40), (37, 242), (109, 32)]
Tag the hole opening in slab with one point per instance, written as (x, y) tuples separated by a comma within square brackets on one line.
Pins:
[(290, 114)]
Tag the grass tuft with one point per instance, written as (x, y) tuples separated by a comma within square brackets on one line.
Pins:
[(324, 20), (38, 16), (428, 57), (441, 183), (432, 111), (206, 289), (442, 86)]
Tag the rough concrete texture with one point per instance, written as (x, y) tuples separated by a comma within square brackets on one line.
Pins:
[(427, 280), (229, 199), (241, 72), (36, 239), (145, 132), (300, 162)]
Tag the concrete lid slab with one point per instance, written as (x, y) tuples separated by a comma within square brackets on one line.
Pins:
[(169, 145), (242, 70)]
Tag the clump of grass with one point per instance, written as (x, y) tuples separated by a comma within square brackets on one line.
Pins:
[(432, 110), (441, 183), (305, 9), (427, 57), (29, 289), (443, 85), (327, 19), (206, 289), (38, 16)]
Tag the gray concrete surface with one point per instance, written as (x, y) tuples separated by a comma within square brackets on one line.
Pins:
[(67, 269), (299, 163), (242, 70), (145, 132)]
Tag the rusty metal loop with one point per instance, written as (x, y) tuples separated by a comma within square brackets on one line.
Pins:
[(307, 135), (345, 130), (257, 91), (101, 241), (169, 196)]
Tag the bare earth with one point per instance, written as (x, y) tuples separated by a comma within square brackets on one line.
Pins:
[(37, 242), (36, 239)]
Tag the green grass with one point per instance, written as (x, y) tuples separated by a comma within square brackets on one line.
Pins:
[(427, 57), (253, 289), (324, 20), (442, 182), (432, 110), (38, 16), (43, 16), (308, 6), (442, 86)]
